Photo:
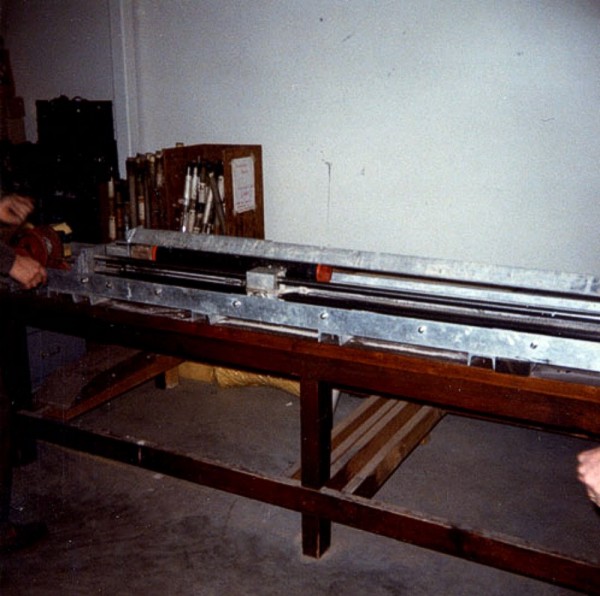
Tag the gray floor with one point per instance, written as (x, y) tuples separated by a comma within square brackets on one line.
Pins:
[(120, 530)]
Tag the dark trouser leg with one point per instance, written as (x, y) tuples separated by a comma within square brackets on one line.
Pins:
[(15, 393), (15, 388), (5, 453)]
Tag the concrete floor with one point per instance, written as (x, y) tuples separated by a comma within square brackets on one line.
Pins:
[(118, 530)]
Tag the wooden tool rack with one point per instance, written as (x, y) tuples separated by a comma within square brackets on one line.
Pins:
[(318, 491)]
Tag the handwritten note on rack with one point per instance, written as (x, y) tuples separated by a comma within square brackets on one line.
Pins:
[(242, 173)]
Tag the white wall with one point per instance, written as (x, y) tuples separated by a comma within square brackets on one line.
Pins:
[(57, 48), (460, 129)]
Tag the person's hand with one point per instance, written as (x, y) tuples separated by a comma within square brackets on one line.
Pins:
[(28, 272), (589, 472), (14, 209)]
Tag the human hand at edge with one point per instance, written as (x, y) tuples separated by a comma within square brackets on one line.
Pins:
[(28, 272), (588, 472), (14, 209)]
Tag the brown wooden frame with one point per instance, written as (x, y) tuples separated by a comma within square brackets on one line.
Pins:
[(543, 403)]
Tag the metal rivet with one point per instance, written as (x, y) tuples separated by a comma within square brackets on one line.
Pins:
[(324, 315), (237, 303), (422, 329), (533, 345)]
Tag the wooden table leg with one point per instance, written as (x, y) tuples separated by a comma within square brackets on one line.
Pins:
[(316, 424)]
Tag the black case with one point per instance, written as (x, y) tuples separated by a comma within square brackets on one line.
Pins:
[(76, 138), (75, 125)]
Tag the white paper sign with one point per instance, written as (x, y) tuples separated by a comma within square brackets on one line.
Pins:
[(242, 174)]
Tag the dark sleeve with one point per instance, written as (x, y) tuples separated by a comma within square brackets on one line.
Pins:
[(7, 258)]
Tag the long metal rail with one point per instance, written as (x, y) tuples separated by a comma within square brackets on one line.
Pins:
[(486, 313)]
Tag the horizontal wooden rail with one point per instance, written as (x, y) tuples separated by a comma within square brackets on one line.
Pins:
[(394, 522)]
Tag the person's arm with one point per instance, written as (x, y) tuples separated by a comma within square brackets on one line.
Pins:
[(14, 210), (589, 472)]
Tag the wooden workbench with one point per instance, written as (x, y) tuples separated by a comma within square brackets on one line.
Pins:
[(315, 491)]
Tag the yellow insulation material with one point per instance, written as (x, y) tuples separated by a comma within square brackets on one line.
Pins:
[(230, 377)]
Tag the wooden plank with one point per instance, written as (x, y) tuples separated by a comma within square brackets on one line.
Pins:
[(369, 442), (349, 430), (372, 476), (346, 431), (98, 377), (353, 421), (373, 440)]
